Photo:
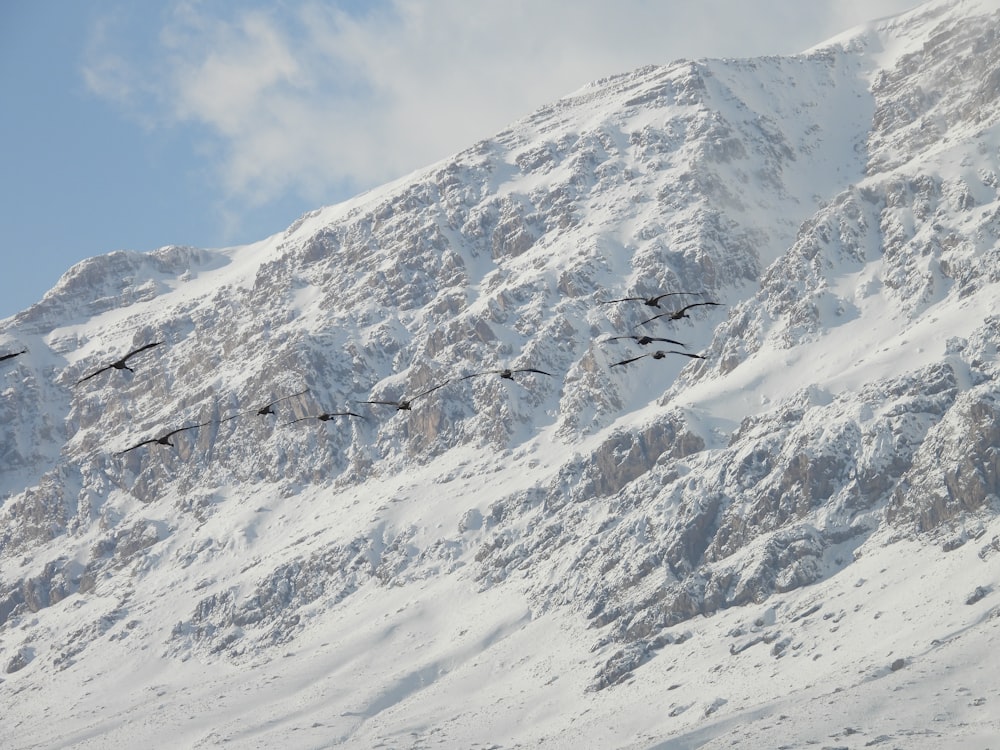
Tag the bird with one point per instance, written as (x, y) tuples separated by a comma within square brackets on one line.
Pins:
[(658, 354), (405, 403), (678, 314), (266, 408), (12, 355), (325, 416), (643, 340), (120, 364), (651, 301), (506, 373), (163, 439)]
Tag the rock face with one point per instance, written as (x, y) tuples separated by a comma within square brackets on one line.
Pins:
[(957, 468), (841, 204)]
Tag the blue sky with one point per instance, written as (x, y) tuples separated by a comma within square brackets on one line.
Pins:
[(136, 125)]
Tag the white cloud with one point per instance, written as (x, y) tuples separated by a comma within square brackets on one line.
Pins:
[(314, 97), (845, 14), (245, 66)]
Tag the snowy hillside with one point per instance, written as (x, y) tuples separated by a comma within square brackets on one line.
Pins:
[(793, 540)]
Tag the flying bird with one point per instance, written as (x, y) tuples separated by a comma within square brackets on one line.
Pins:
[(405, 404), (506, 373), (266, 408), (643, 340), (651, 301), (120, 364), (678, 314), (12, 355), (658, 354), (326, 416), (163, 439)]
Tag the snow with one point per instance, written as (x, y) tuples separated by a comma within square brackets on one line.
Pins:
[(435, 663)]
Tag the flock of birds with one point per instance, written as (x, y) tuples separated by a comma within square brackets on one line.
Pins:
[(405, 404)]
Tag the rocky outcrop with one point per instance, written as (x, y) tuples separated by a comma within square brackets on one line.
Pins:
[(956, 471)]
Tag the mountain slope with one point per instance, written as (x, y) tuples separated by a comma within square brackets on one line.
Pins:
[(542, 561)]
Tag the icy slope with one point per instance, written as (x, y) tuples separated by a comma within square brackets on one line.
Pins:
[(541, 561)]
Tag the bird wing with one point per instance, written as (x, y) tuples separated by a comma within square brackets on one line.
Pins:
[(140, 349), (697, 304), (671, 341), (137, 445), (622, 299), (650, 320), (12, 355), (257, 411), (626, 361), (660, 354), (300, 419), (476, 375), (532, 369), (248, 412), (182, 429), (430, 390), (283, 398), (93, 374), (658, 297), (387, 403), (330, 414)]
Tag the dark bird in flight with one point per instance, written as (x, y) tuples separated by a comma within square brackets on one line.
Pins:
[(266, 408), (678, 314), (658, 354), (326, 416), (405, 404), (163, 439), (651, 301), (11, 356), (643, 340), (121, 363), (506, 373)]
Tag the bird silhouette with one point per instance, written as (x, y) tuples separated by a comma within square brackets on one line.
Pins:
[(325, 416), (651, 301), (678, 314), (506, 373), (658, 354), (163, 439), (266, 408), (12, 355), (643, 340), (405, 403), (120, 364)]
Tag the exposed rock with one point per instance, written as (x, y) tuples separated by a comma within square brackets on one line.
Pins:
[(19, 660), (980, 593)]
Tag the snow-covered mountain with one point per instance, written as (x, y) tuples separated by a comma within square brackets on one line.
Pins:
[(792, 541)]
